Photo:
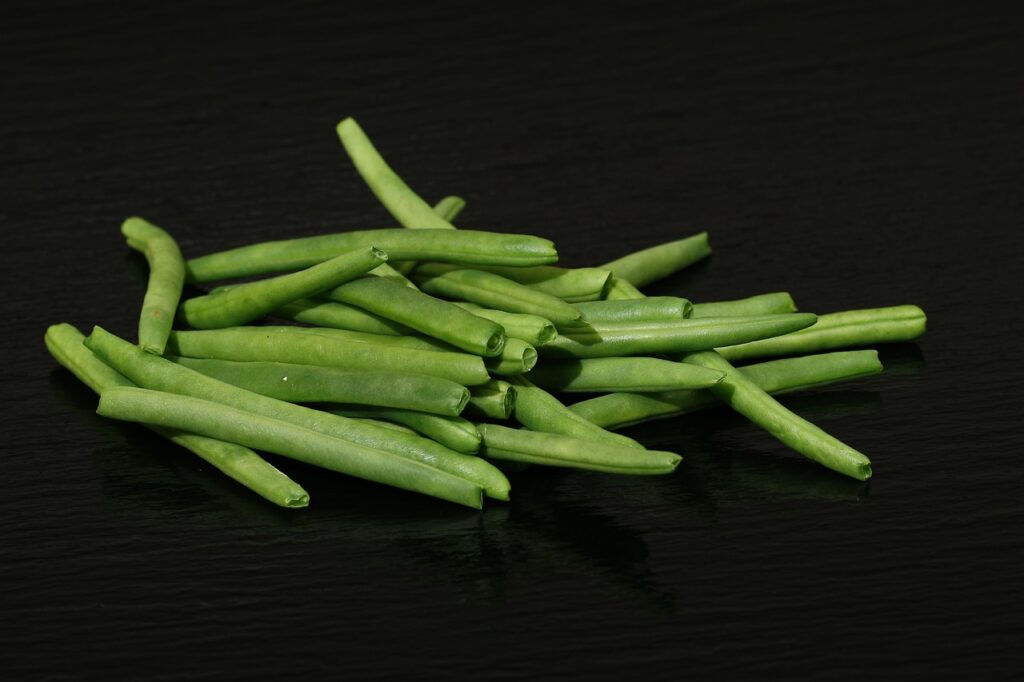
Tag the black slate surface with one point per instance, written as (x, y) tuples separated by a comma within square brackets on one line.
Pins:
[(854, 155)]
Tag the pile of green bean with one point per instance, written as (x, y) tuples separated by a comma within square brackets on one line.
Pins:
[(407, 356)]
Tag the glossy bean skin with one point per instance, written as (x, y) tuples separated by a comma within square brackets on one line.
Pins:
[(573, 285), (468, 247), (616, 410), (236, 461), (493, 291), (763, 304), (246, 344), (321, 313), (624, 311), (538, 410), (640, 268), (622, 374), (533, 329), (149, 371), (744, 396), (166, 279), (312, 384), (232, 424), (550, 449), (452, 432), (653, 338), (449, 209), (838, 330), (496, 399), (424, 313), (244, 303)]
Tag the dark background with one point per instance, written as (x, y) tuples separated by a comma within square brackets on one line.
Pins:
[(855, 155)]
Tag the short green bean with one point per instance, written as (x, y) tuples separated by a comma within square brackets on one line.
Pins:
[(622, 374), (166, 278), (762, 304), (495, 399), (640, 268), (452, 432), (650, 309), (518, 357), (533, 329)]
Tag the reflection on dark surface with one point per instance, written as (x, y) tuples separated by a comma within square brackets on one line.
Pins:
[(901, 359), (832, 404)]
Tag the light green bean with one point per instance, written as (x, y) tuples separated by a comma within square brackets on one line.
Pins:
[(640, 268), (452, 432), (650, 309), (166, 278), (244, 303), (762, 304), (573, 285), (533, 329), (495, 399), (619, 289), (339, 316), (518, 357), (622, 374), (449, 207)]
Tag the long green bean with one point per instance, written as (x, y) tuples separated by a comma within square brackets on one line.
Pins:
[(670, 337), (622, 374), (550, 449), (244, 427), (538, 410), (493, 291), (246, 302), (467, 247), (533, 329), (166, 278), (619, 289), (616, 410), (310, 384), (149, 371), (303, 348), (573, 285), (426, 314), (640, 268), (650, 309), (838, 330), (495, 399), (236, 461), (452, 432), (339, 316), (762, 304)]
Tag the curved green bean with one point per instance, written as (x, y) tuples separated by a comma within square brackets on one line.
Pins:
[(744, 396), (538, 410), (449, 207), (652, 338), (762, 304), (533, 329), (216, 420), (493, 291), (650, 309), (619, 289), (616, 410), (339, 316), (839, 330), (550, 449), (640, 268), (426, 314), (573, 285), (311, 384), (150, 371), (622, 374), (236, 461), (452, 432), (303, 348), (166, 278), (468, 247), (495, 399), (246, 302)]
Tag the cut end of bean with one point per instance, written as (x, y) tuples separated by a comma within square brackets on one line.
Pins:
[(495, 344), (297, 501), (463, 401), (378, 253), (529, 358)]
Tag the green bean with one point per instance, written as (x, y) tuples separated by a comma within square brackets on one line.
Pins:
[(622, 374), (650, 309), (401, 202), (619, 289), (153, 372), (449, 207), (246, 302), (495, 399), (533, 329), (452, 432), (652, 338), (762, 304), (387, 272), (303, 348), (615, 410), (339, 316), (310, 383), (236, 461), (426, 314), (467, 247), (839, 330), (744, 396), (493, 291), (550, 449), (518, 357), (244, 427), (538, 410), (640, 268), (166, 277), (574, 285)]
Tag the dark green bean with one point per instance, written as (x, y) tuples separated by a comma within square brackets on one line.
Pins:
[(616, 410), (452, 432), (640, 268), (246, 302), (495, 399), (622, 374), (166, 278), (650, 309), (762, 304), (340, 316), (310, 384), (533, 329)]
